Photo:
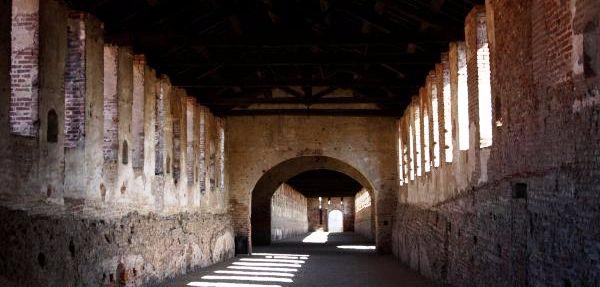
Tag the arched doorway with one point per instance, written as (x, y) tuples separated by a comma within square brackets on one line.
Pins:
[(335, 221), (266, 186)]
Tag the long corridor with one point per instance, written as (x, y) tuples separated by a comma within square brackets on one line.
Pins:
[(317, 259)]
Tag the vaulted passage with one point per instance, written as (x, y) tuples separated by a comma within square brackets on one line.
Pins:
[(299, 143), (307, 193)]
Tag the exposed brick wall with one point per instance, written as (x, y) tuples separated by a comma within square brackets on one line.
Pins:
[(519, 212), (131, 250), (288, 213), (137, 117), (316, 214), (194, 121), (190, 108), (211, 152), (24, 71), (18, 153), (101, 105), (111, 111), (83, 102), (319, 218), (184, 137), (363, 219), (553, 21), (474, 20), (315, 217), (163, 88), (214, 152), (220, 136), (176, 114), (75, 81), (202, 149)]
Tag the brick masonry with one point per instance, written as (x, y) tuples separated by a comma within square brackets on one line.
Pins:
[(265, 151), (288, 213), (110, 104), (520, 212), (137, 121), (75, 80), (87, 194), (363, 217), (24, 68), (133, 250), (319, 218)]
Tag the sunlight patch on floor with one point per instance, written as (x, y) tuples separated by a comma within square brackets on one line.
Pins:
[(247, 278), (357, 247), (224, 284), (258, 273), (273, 260), (287, 257), (318, 236), (276, 269), (258, 270), (262, 264), (280, 254)]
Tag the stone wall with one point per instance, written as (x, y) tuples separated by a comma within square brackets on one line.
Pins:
[(315, 214), (318, 217), (258, 146), (288, 213), (24, 73), (88, 88), (363, 219), (521, 211), (17, 152), (76, 209), (60, 248)]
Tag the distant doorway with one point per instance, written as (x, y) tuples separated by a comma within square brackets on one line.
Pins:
[(335, 221)]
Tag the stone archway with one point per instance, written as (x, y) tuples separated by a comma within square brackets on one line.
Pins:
[(265, 187)]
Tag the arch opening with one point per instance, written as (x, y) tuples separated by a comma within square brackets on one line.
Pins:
[(335, 221), (289, 172)]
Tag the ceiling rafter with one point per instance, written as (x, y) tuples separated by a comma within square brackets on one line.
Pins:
[(231, 54)]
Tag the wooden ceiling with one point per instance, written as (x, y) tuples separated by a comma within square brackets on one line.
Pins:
[(359, 57), (325, 183)]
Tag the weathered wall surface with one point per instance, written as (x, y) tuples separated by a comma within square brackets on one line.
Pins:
[(15, 151), (57, 248), (288, 213), (257, 144), (521, 212), (319, 218), (315, 214), (76, 209), (363, 219)]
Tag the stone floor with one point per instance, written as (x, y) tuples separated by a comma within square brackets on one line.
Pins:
[(318, 259)]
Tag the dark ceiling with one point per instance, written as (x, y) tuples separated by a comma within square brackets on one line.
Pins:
[(235, 54), (326, 183)]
